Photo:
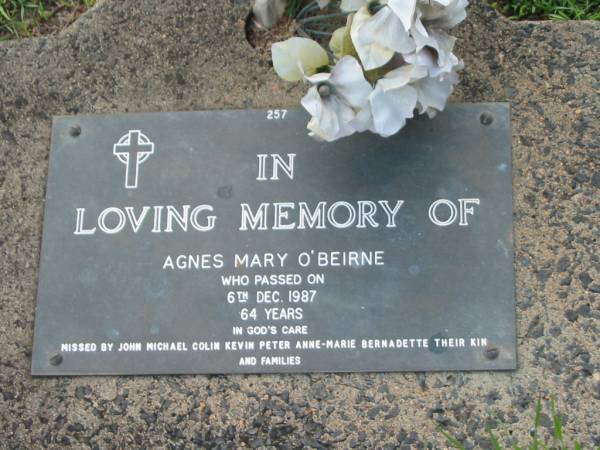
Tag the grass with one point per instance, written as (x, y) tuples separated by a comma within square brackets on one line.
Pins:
[(25, 18), (558, 440), (550, 9)]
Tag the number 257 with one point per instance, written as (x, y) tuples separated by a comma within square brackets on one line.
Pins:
[(276, 114)]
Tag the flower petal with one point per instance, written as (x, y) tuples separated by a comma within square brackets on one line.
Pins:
[(444, 13), (341, 42), (363, 120), (336, 43), (433, 92), (317, 78), (377, 37), (349, 82), (391, 108), (402, 76), (434, 50), (331, 117), (404, 10), (296, 56), (352, 5), (312, 101)]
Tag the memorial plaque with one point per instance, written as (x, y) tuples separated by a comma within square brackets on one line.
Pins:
[(231, 242)]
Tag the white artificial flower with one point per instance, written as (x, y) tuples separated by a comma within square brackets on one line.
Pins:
[(296, 57), (335, 99), (405, 11), (323, 3), (394, 99), (434, 50), (442, 67), (340, 43), (353, 5), (336, 43), (331, 117), (408, 36), (378, 36), (364, 120), (443, 14), (347, 81), (433, 92)]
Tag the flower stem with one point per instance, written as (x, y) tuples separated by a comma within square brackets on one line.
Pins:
[(322, 17), (314, 5), (323, 25), (317, 33), (309, 7)]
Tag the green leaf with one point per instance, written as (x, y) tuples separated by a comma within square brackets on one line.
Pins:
[(493, 439), (556, 421), (4, 14), (452, 441), (535, 445)]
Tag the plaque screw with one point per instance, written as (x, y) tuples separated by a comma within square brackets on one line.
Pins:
[(55, 359), (486, 118), (75, 131), (491, 352)]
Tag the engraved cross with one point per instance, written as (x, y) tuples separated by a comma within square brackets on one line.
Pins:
[(132, 150)]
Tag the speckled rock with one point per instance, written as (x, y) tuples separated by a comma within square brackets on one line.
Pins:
[(165, 55)]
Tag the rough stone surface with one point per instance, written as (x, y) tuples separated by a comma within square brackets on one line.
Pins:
[(164, 55)]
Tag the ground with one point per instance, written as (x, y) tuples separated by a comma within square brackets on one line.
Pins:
[(171, 55)]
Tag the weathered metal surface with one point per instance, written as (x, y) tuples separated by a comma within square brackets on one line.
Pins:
[(152, 281)]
